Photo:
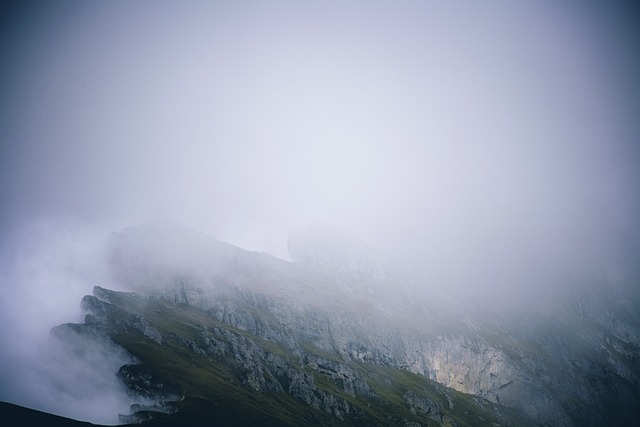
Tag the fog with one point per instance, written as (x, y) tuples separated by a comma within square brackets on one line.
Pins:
[(493, 145), (47, 267)]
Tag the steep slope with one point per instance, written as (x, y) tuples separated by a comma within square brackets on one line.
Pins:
[(340, 335), (197, 368)]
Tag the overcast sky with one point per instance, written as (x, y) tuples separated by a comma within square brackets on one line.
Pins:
[(496, 144), (452, 132)]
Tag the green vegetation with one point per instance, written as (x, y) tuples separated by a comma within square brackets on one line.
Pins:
[(224, 376)]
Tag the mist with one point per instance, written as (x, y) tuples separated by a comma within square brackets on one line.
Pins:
[(47, 267), (494, 147)]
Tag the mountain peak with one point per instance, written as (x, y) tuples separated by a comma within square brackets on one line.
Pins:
[(330, 248)]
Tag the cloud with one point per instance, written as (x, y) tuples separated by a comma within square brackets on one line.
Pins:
[(493, 145), (47, 268)]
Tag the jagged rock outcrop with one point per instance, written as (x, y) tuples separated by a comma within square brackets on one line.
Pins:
[(201, 355), (349, 304)]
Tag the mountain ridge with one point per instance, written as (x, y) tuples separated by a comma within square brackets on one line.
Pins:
[(326, 337)]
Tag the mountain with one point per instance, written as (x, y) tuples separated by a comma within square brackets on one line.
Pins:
[(14, 415), (340, 337)]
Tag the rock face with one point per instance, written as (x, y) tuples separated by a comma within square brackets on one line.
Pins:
[(338, 330), (201, 357)]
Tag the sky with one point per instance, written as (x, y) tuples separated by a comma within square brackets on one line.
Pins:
[(413, 121), (494, 144)]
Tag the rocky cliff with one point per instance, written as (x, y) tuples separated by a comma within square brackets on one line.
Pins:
[(339, 332)]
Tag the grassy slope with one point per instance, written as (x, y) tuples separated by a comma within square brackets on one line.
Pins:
[(214, 393)]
